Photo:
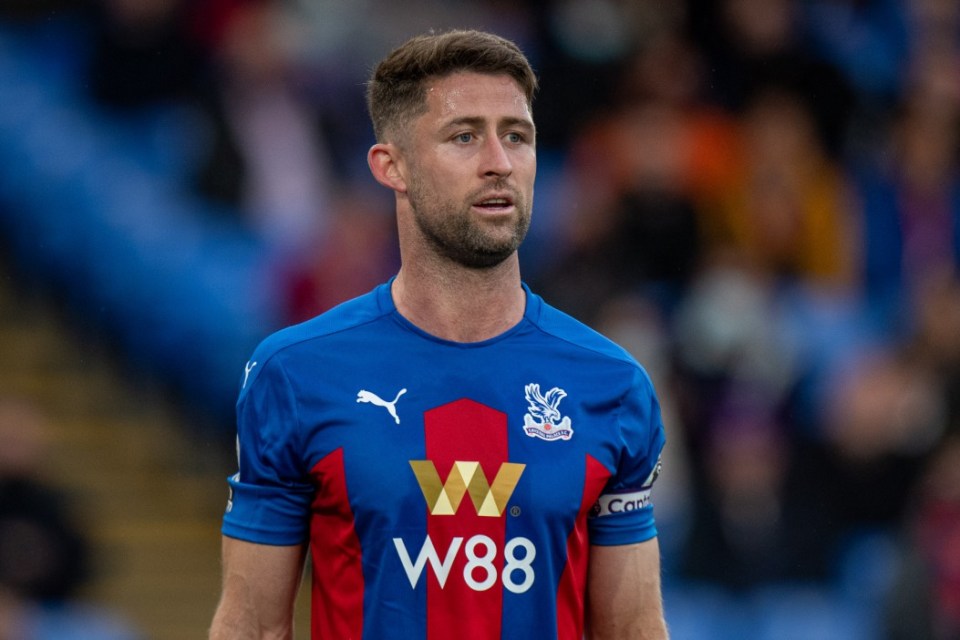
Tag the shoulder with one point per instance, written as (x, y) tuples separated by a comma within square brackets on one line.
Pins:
[(355, 315), (587, 348), (574, 335)]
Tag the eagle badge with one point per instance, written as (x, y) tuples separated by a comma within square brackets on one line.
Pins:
[(543, 419)]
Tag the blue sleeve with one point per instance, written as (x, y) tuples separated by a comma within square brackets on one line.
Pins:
[(270, 495), (624, 512)]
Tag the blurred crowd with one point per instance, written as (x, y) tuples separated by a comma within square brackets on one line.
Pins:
[(44, 551), (759, 198)]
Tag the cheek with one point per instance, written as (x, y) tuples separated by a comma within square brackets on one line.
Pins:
[(440, 169), (525, 165), (525, 179), (449, 180), (432, 188)]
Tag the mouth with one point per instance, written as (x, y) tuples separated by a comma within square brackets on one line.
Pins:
[(495, 204)]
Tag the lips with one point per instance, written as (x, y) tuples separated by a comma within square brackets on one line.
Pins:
[(494, 203)]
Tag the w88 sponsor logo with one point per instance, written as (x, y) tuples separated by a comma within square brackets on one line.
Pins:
[(480, 571)]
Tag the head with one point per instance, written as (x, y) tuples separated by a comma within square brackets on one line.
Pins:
[(397, 92), (456, 144)]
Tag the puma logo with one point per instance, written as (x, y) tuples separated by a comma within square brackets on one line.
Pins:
[(372, 398), (246, 372)]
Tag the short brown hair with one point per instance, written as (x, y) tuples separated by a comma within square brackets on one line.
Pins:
[(397, 90)]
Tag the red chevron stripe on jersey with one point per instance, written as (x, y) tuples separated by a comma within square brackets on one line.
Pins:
[(465, 430), (573, 581), (337, 607)]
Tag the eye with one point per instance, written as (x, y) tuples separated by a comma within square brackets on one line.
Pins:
[(515, 137), (464, 137)]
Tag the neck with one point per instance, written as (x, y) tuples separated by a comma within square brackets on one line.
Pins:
[(460, 304)]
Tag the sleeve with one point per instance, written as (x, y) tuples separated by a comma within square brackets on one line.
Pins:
[(624, 512), (270, 495)]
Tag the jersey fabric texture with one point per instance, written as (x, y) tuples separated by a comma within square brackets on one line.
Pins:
[(447, 490)]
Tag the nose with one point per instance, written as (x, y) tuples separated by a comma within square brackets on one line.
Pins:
[(495, 161)]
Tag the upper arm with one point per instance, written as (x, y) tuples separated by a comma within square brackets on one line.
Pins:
[(260, 584), (623, 592), (623, 513)]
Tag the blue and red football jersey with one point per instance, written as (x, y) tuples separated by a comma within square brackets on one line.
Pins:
[(447, 490)]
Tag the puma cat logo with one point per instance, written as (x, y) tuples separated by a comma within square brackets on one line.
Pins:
[(372, 398)]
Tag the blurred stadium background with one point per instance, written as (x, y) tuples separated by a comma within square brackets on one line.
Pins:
[(759, 198)]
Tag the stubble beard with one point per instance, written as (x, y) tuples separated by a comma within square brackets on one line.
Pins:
[(455, 232)]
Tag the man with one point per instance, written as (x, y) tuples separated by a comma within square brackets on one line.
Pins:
[(463, 460)]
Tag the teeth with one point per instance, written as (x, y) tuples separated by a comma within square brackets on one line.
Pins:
[(495, 202)]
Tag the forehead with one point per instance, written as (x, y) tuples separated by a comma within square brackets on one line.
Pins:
[(468, 94)]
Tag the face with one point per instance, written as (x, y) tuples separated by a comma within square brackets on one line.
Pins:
[(469, 165)]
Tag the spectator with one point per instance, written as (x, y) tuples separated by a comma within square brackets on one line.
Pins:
[(884, 418), (143, 54), (866, 40), (937, 340), (633, 176), (925, 605), (911, 211), (754, 524), (267, 156), (356, 253), (44, 555), (753, 44), (790, 212)]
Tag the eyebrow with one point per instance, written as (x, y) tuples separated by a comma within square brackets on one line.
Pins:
[(478, 121)]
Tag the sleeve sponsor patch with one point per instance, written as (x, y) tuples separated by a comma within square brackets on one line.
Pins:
[(623, 501), (613, 503)]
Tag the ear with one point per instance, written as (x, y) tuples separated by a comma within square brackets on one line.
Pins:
[(384, 162)]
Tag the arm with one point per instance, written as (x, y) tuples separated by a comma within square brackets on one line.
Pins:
[(623, 593), (260, 584)]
